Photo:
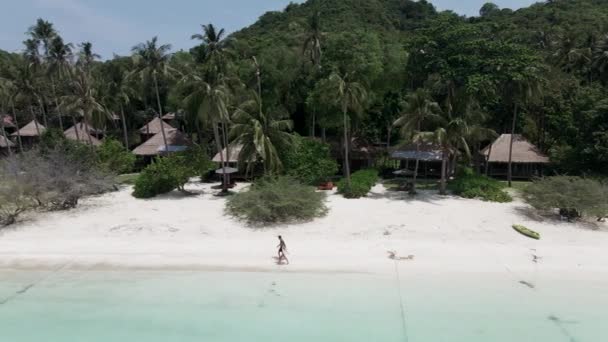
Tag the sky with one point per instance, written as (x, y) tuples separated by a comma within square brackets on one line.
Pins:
[(115, 26)]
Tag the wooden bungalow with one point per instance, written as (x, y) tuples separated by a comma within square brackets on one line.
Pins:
[(152, 128), (527, 159), (83, 134), (155, 146), (30, 133), (362, 154), (430, 157)]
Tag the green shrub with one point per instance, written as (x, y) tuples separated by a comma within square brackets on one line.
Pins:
[(470, 185), (573, 196), (114, 157), (277, 200), (166, 174), (362, 183), (309, 161), (157, 178)]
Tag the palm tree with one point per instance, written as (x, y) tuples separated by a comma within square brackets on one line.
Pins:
[(59, 56), (151, 62), (350, 96), (418, 107), (261, 134), (600, 58), (25, 82), (86, 56), (8, 91), (214, 48), (210, 104), (84, 99), (43, 32), (451, 135), (521, 88), (120, 93), (312, 44)]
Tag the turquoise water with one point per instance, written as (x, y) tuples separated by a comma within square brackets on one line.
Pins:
[(256, 306)]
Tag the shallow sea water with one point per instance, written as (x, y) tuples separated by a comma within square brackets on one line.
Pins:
[(98, 306)]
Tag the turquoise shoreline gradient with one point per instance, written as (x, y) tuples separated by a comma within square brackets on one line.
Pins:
[(283, 306)]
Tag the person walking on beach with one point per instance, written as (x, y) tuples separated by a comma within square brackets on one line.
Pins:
[(282, 250)]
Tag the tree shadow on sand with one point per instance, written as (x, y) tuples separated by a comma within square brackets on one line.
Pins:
[(426, 196)]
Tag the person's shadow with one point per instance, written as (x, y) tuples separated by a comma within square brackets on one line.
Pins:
[(280, 261)]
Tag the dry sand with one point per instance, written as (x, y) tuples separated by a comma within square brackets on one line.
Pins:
[(432, 234)]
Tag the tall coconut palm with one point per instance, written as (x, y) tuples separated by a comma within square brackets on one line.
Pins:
[(210, 103), (86, 56), (418, 107), (151, 63), (214, 48), (84, 99), (521, 88), (600, 58), (120, 92), (43, 32), (350, 97), (25, 80), (59, 56), (312, 44), (260, 134), (8, 91)]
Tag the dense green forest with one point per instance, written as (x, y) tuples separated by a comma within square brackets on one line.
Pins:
[(335, 68)]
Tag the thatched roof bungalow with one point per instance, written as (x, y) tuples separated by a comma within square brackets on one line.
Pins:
[(83, 134), (32, 129), (153, 127), (176, 142), (527, 158)]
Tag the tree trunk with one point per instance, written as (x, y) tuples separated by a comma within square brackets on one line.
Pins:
[(57, 103), (413, 191), (88, 133), (124, 127), (323, 134), (314, 123), (17, 126), (488, 159), (199, 132), (444, 162), (8, 146), (43, 112), (510, 170), (228, 156), (76, 127), (160, 114), (346, 148), (218, 142), (34, 119), (388, 135)]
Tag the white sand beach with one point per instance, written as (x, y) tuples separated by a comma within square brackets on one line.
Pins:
[(442, 234)]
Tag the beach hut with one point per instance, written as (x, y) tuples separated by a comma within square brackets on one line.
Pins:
[(152, 128), (30, 133), (527, 159), (155, 146), (83, 134), (430, 157)]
